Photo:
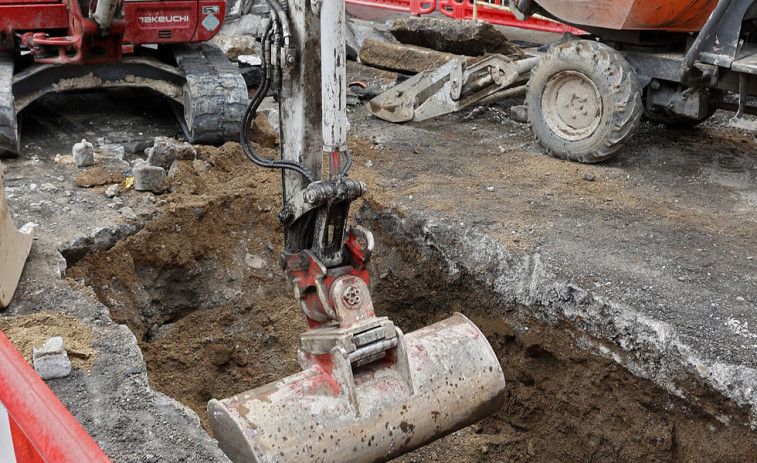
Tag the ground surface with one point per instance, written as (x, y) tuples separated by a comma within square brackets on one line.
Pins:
[(619, 297)]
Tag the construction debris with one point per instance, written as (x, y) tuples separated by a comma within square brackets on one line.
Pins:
[(51, 359), (84, 153), (250, 66), (358, 31), (262, 132), (471, 38), (166, 150), (96, 176), (400, 57), (149, 178), (250, 25), (235, 45)]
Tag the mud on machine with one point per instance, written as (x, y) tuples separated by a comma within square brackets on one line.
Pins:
[(366, 392)]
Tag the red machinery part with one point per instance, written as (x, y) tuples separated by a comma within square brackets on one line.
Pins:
[(19, 16), (172, 21), (415, 7), (40, 427), (496, 12)]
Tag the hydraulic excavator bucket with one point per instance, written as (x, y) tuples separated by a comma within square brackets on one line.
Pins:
[(334, 411), (14, 249)]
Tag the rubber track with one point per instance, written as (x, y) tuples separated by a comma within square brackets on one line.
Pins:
[(215, 94), (9, 143)]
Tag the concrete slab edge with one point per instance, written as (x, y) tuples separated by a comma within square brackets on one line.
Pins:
[(648, 348)]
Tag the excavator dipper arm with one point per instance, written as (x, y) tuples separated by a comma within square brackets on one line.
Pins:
[(366, 392)]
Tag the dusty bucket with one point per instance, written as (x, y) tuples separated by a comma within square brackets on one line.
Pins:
[(371, 413)]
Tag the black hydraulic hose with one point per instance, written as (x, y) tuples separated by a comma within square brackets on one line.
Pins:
[(712, 22), (277, 9), (347, 164), (249, 118)]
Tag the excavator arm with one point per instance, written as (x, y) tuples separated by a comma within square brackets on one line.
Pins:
[(366, 392)]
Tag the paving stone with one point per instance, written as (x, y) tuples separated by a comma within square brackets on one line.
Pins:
[(149, 178), (51, 360)]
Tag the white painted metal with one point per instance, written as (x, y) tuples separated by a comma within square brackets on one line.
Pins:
[(14, 249), (105, 11), (332, 412), (300, 123), (7, 452), (334, 76)]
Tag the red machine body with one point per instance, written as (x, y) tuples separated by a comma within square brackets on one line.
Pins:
[(62, 32)]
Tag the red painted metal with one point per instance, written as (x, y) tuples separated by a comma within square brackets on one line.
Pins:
[(416, 7), (18, 17), (50, 429), (160, 22), (670, 15), (177, 21), (492, 11)]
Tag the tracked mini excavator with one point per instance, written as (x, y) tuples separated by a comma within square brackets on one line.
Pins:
[(674, 62), (59, 45), (366, 392)]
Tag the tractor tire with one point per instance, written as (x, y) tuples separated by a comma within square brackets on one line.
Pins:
[(584, 101)]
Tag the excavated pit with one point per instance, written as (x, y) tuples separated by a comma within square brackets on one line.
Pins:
[(201, 289)]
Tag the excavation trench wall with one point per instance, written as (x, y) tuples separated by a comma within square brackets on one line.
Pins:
[(200, 287)]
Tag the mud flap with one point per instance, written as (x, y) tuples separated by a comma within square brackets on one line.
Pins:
[(14, 249), (373, 414)]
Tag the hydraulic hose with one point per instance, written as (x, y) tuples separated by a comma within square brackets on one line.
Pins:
[(283, 19), (252, 112)]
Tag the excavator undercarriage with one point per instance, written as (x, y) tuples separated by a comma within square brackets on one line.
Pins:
[(150, 45)]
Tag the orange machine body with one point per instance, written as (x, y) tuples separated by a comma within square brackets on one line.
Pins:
[(671, 15)]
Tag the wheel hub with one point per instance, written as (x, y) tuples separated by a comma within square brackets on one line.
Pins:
[(572, 105)]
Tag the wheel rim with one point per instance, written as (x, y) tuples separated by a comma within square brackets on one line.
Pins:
[(571, 105)]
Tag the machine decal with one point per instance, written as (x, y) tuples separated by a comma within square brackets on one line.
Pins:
[(164, 19), (213, 9), (210, 22)]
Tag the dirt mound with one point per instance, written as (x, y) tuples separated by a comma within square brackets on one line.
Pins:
[(29, 331)]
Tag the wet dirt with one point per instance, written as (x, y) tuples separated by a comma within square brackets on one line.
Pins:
[(202, 291)]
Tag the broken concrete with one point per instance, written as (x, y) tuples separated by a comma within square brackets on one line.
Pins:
[(166, 150), (84, 154), (358, 31), (51, 359), (149, 178), (100, 240), (400, 57), (471, 38), (251, 69), (247, 25), (235, 45)]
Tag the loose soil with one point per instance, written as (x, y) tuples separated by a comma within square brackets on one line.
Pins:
[(29, 331), (202, 291)]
